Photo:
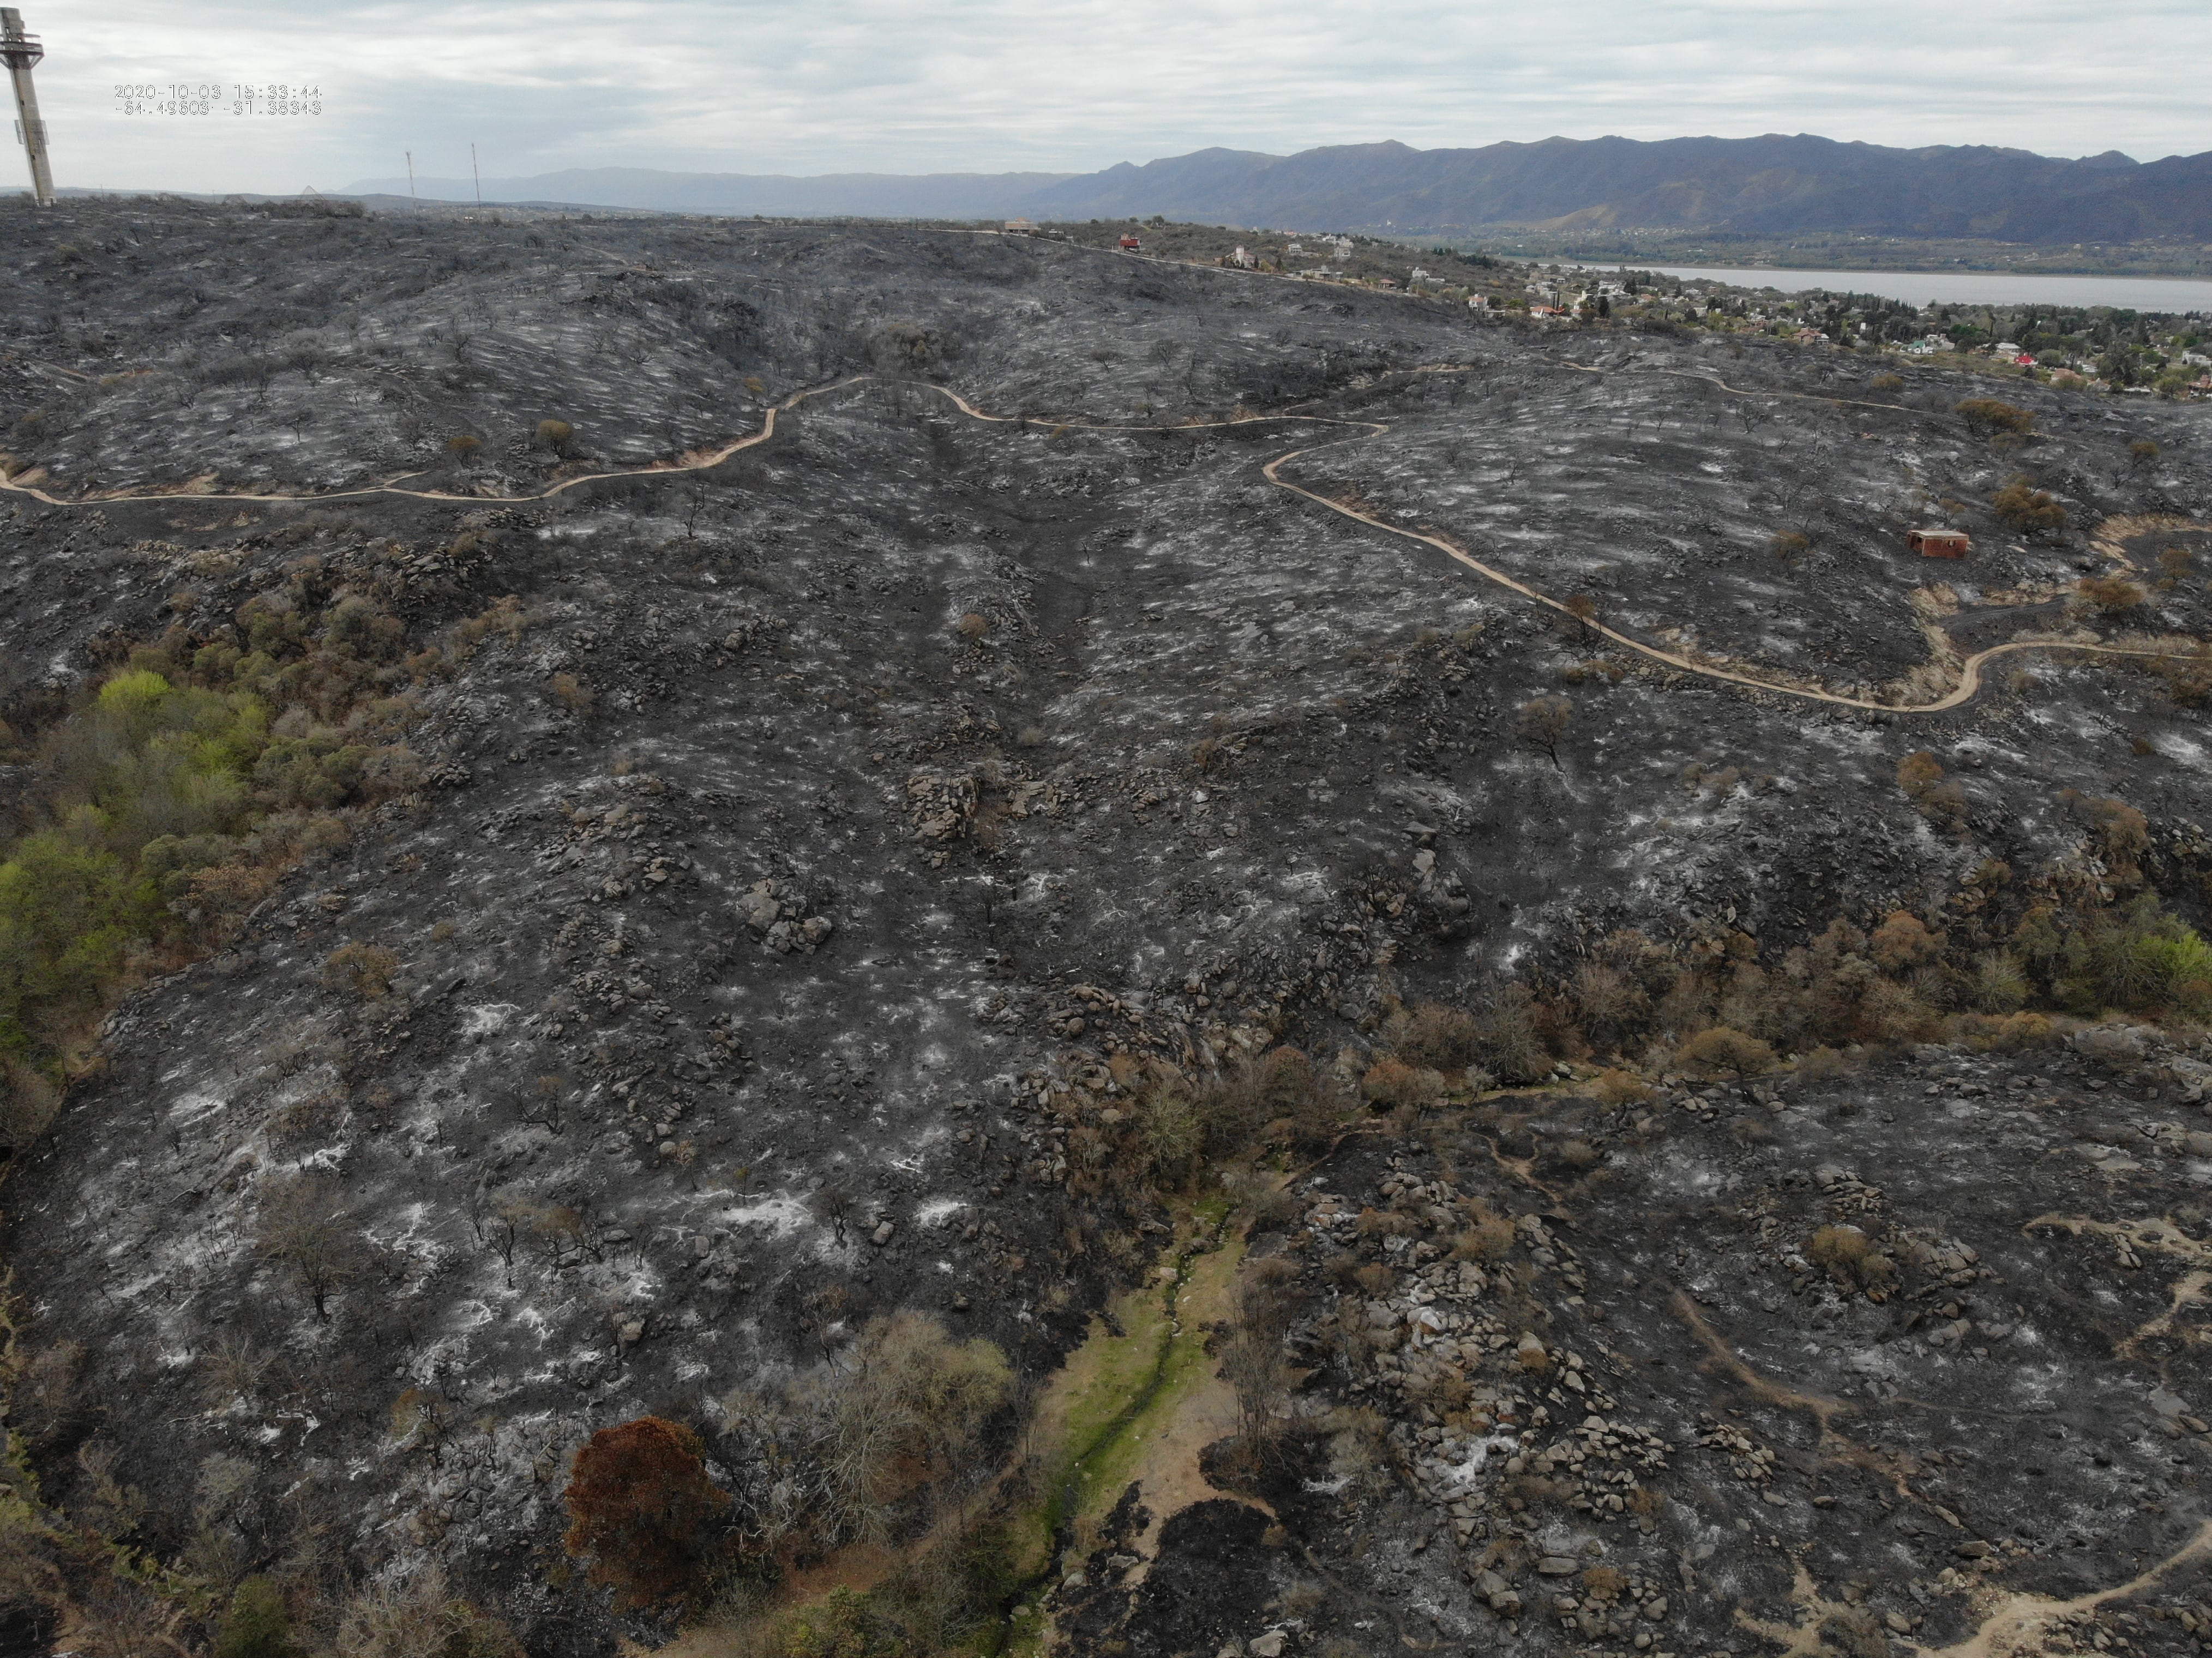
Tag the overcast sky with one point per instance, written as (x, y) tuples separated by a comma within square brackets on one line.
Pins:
[(826, 86)]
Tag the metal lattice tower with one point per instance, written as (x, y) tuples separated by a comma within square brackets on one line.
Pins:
[(19, 52)]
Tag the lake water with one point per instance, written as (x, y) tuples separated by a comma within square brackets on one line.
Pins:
[(2174, 293)]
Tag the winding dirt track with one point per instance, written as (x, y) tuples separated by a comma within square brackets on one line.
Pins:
[(1970, 675)]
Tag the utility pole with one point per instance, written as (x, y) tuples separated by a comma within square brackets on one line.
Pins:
[(411, 196), (478, 176), (19, 52)]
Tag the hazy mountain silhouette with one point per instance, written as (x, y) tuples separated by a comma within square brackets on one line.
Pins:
[(1774, 185)]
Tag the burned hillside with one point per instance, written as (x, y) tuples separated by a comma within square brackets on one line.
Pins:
[(532, 914)]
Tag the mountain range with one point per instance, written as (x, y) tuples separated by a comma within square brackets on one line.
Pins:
[(1774, 185)]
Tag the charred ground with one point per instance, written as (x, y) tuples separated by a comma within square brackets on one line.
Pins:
[(763, 882)]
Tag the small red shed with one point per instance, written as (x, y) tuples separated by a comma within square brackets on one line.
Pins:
[(1130, 244), (1939, 543)]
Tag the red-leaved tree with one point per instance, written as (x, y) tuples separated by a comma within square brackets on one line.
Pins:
[(640, 1505)]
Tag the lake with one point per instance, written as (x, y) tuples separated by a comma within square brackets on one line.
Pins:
[(2174, 293)]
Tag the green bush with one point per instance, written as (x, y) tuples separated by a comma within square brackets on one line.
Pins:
[(257, 1624), (1172, 1131), (149, 766), (841, 1624), (169, 799)]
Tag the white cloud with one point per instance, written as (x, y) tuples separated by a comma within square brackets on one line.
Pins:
[(744, 86)]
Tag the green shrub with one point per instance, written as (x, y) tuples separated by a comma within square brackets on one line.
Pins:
[(147, 765), (841, 1624), (157, 793), (2000, 986), (2180, 964), (257, 1624), (1172, 1131)]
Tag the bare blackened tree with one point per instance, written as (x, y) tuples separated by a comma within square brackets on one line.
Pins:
[(306, 1230), (833, 1205), (1542, 722)]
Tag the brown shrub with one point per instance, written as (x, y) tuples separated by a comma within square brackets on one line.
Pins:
[(1918, 772), (421, 1615), (1840, 1248), (1720, 1049), (2027, 509), (2014, 1031), (360, 969), (1443, 1392), (2121, 833), (638, 1502), (1512, 1043), (1851, 1256), (1618, 1088), (1391, 1084), (1822, 1063), (1902, 943), (1435, 1037), (974, 626), (1488, 1239), (1376, 1279), (1921, 776), (1989, 414), (1891, 1012), (2111, 594), (1610, 1001), (1605, 1582), (555, 435), (570, 692)]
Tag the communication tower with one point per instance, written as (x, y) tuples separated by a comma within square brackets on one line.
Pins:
[(19, 52)]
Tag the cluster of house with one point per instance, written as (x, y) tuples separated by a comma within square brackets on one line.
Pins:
[(1555, 299)]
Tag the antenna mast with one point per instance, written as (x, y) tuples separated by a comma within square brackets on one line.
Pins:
[(478, 176), (411, 196), (19, 52)]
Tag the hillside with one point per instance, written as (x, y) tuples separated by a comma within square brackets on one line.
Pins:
[(766, 941)]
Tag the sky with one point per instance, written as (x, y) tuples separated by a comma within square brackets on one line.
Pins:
[(1071, 86)]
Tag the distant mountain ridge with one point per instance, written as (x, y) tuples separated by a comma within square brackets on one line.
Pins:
[(1769, 185)]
